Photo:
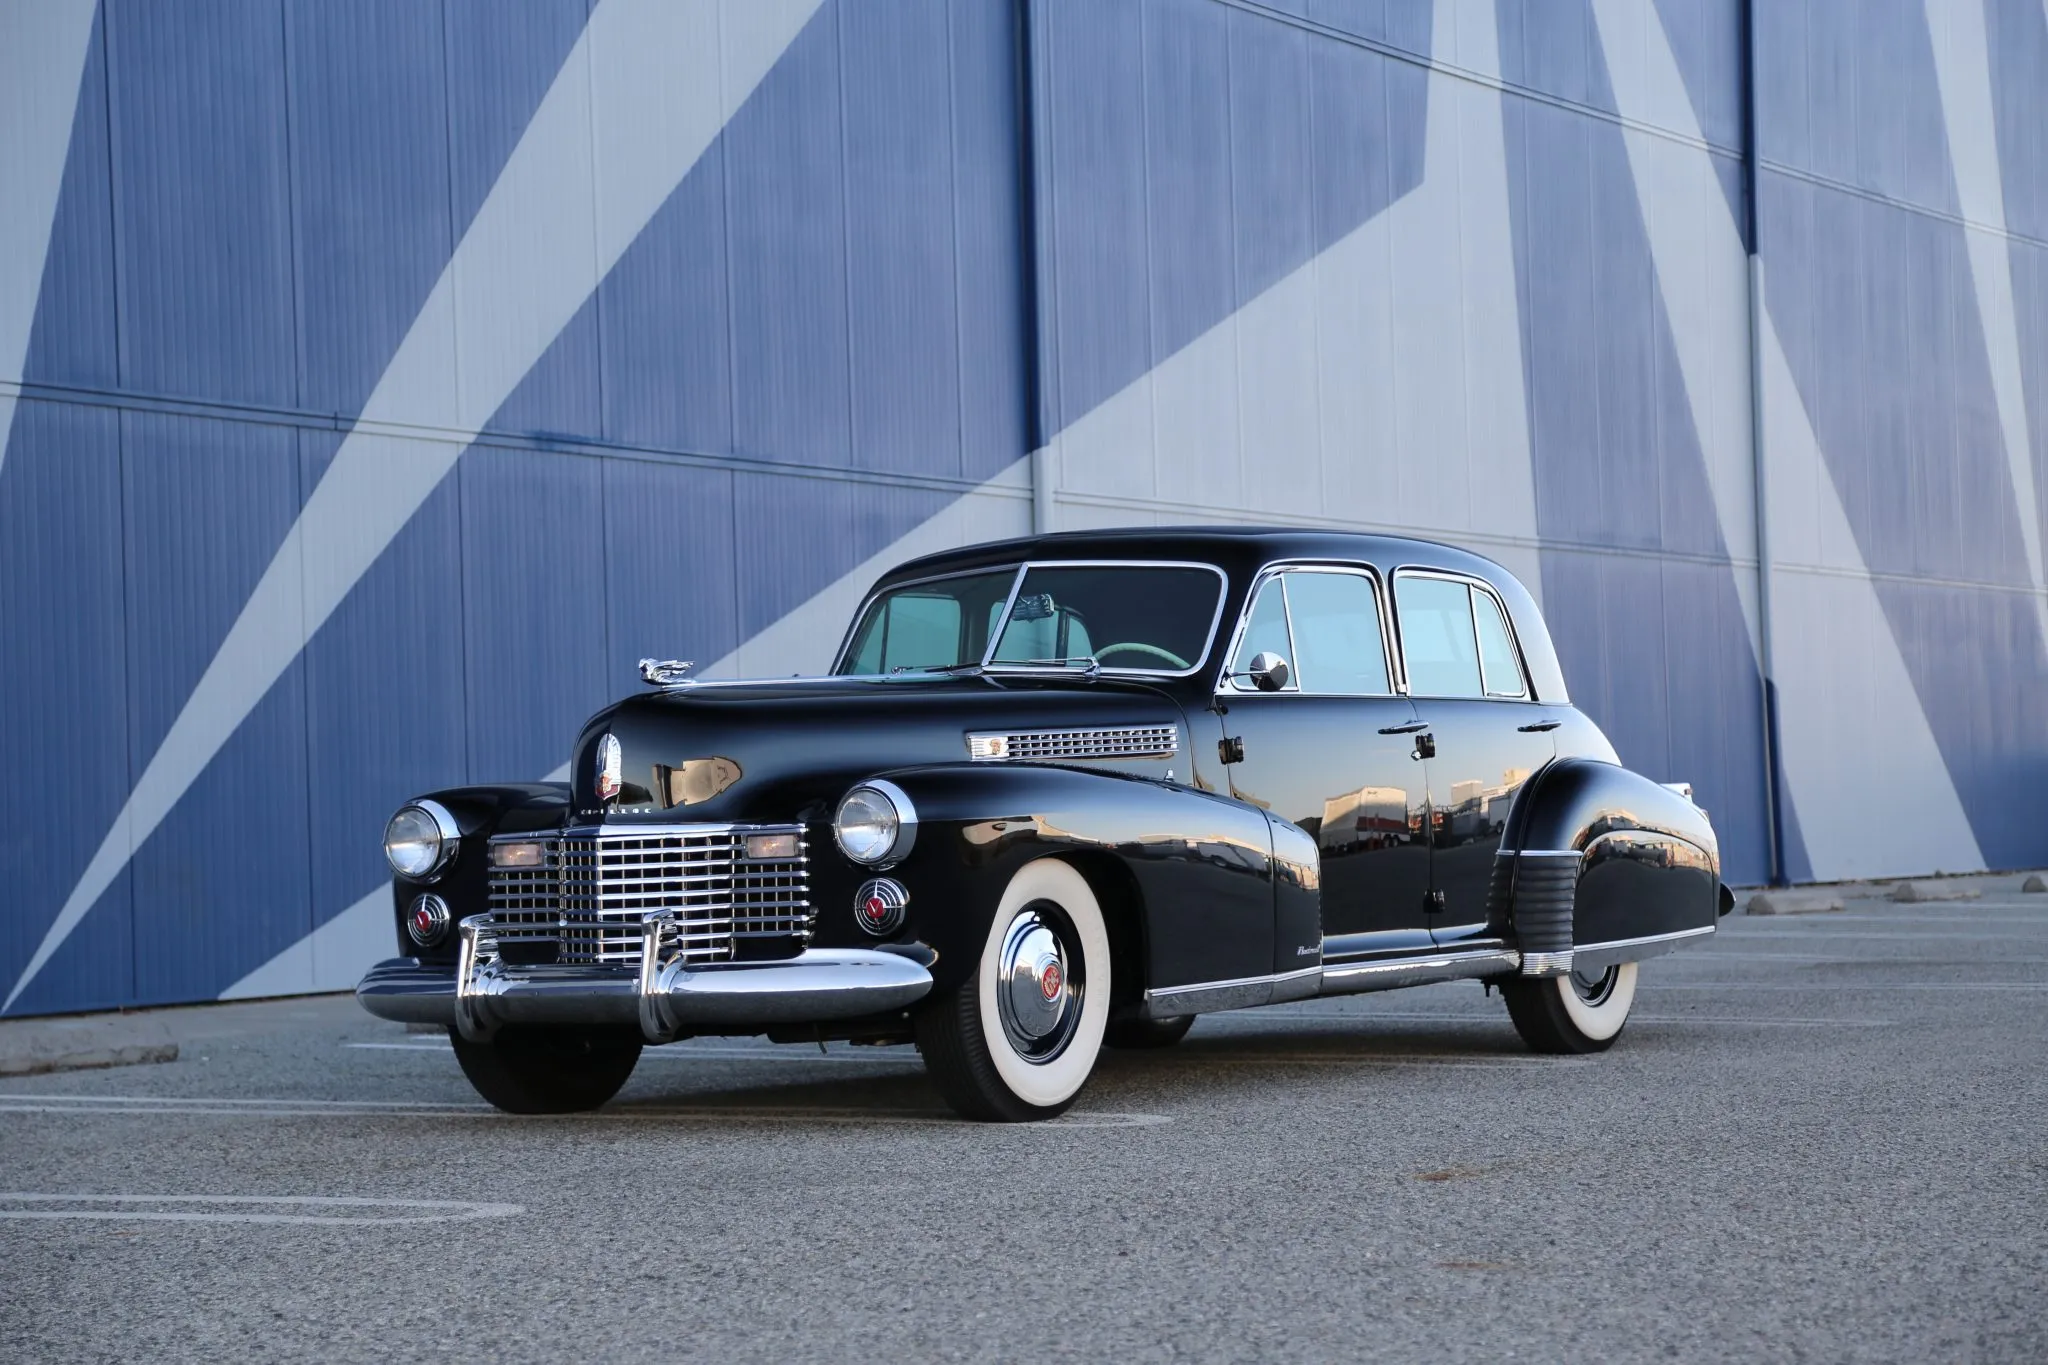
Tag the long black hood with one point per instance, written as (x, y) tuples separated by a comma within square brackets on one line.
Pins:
[(786, 750)]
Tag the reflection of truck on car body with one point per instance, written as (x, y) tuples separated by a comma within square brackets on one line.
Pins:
[(1059, 793)]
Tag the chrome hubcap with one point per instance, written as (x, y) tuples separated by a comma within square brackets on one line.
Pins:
[(1039, 988), (1594, 990)]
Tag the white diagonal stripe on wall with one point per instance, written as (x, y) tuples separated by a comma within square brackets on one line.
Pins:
[(43, 45), (647, 87), (1962, 69)]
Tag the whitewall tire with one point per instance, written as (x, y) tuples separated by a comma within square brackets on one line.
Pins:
[(1576, 1012), (1020, 1039)]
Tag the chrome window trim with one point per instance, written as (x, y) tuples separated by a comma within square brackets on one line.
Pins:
[(989, 663), (1528, 693), (1397, 682)]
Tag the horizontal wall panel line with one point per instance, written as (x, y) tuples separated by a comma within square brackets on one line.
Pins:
[(1209, 513), (1904, 205), (500, 440), (1727, 151), (1780, 565)]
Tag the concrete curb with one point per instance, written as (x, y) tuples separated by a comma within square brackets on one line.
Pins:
[(1824, 897), (32, 1047)]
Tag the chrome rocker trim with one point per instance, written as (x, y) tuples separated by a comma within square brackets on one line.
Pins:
[(1348, 977), (665, 1000), (1590, 957), (1246, 992)]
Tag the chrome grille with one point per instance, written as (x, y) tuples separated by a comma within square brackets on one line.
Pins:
[(1132, 741), (595, 886)]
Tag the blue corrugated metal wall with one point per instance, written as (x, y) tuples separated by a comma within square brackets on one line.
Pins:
[(1472, 269)]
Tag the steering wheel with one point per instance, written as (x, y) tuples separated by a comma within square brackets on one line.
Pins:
[(1140, 647)]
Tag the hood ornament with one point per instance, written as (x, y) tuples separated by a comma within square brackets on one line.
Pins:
[(666, 672)]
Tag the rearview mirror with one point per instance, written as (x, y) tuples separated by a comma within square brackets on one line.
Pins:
[(1268, 671)]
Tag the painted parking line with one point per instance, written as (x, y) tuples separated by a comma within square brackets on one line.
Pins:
[(331, 1211), (1743, 986), (98, 1105), (1489, 1021), (795, 1053)]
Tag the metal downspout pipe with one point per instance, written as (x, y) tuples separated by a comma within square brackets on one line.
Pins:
[(1773, 800)]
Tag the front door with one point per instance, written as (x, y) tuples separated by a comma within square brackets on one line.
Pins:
[(1332, 749), (1488, 737)]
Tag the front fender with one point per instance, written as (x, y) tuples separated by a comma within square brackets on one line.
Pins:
[(1600, 864), (1185, 877), (479, 813)]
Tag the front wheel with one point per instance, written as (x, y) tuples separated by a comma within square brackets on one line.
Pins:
[(1576, 1012), (1017, 1040), (525, 1070)]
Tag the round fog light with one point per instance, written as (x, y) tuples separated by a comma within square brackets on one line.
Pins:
[(427, 921), (879, 906)]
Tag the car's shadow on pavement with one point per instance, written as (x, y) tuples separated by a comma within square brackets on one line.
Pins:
[(728, 1088)]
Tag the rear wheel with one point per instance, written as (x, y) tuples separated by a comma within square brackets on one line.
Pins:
[(1139, 1033), (1018, 1040), (1576, 1012), (548, 1070)]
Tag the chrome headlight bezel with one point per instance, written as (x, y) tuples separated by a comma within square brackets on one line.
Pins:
[(423, 819), (874, 805)]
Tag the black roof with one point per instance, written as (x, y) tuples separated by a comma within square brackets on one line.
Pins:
[(1232, 547)]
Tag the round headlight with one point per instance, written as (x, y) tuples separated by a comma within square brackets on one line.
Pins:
[(875, 823), (420, 840)]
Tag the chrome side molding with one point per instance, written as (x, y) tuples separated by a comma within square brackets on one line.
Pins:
[(1346, 978)]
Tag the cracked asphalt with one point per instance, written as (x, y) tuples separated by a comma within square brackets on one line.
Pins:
[(1821, 1137)]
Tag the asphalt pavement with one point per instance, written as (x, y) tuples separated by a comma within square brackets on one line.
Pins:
[(1821, 1137)]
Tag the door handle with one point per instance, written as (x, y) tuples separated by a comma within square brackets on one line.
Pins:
[(1410, 728), (1540, 727)]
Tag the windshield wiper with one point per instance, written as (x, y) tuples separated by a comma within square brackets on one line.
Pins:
[(1081, 663), (947, 670)]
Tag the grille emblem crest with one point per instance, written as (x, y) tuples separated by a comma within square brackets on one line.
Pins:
[(611, 767)]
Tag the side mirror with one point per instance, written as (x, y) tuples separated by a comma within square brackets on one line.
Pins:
[(1268, 671)]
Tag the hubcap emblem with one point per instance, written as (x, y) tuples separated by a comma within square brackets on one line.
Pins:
[(1050, 980)]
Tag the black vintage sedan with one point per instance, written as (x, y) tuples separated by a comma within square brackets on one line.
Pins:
[(1059, 793)]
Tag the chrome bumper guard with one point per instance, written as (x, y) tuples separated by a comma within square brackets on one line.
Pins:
[(483, 993)]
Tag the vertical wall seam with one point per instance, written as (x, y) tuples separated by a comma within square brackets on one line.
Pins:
[(1025, 112), (1774, 825)]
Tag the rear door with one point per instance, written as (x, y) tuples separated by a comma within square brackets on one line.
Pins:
[(1486, 737)]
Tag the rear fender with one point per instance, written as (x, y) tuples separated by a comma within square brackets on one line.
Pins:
[(1601, 865), (1186, 877)]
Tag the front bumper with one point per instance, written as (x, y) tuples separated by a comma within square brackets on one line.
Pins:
[(480, 994)]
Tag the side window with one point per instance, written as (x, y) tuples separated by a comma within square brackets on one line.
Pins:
[(1437, 638), (1497, 661), (1337, 634), (1266, 631)]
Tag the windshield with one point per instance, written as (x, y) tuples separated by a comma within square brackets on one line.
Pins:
[(1141, 618)]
